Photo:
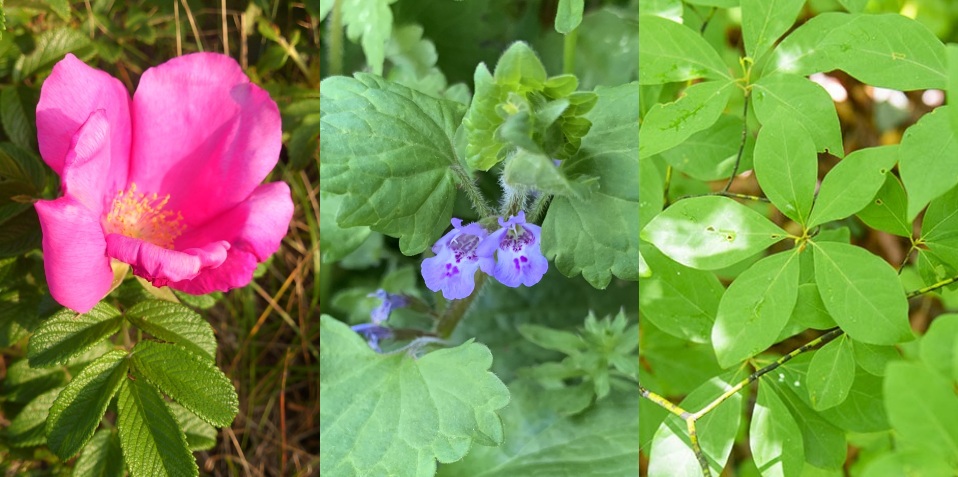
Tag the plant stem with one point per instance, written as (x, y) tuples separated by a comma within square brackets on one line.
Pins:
[(479, 203), (741, 146), (931, 288), (336, 39), (539, 207), (457, 310), (568, 52)]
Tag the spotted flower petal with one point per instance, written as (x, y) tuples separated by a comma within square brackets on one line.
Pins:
[(518, 257), (454, 267)]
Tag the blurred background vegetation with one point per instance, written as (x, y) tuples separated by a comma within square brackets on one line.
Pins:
[(266, 331)]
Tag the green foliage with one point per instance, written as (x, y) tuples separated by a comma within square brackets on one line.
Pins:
[(102, 456), (152, 442), (68, 334), (176, 324)]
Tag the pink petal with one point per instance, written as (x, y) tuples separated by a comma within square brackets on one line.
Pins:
[(87, 165), (160, 265), (74, 253), (203, 134), (69, 95), (254, 229)]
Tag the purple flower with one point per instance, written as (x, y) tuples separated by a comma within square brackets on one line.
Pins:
[(373, 333), (519, 259), (389, 301), (453, 269)]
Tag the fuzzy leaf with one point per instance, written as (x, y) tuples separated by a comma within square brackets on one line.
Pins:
[(102, 457), (67, 334), (175, 323), (152, 441)]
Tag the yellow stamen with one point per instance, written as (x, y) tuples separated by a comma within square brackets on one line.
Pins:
[(141, 216)]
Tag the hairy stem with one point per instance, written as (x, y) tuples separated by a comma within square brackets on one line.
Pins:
[(472, 191), (457, 310)]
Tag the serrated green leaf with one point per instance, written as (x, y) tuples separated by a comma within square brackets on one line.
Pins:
[(671, 454), (886, 50), (598, 236), (670, 124), (710, 232), (862, 292), (24, 383), (710, 154), (786, 167), (774, 436), (78, 409), (915, 397), (369, 22), (673, 52), (831, 374), (679, 300), (67, 334), (390, 151), (51, 46), (200, 435), (852, 184), (803, 102), (926, 170), (569, 15), (102, 457), (174, 323), (755, 308), (153, 443), (887, 211), (602, 441), (17, 113), (190, 379), (765, 21), (369, 398), (29, 427)]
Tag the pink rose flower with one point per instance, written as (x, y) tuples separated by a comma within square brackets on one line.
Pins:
[(168, 182)]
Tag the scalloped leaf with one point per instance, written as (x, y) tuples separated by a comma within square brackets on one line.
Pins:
[(152, 441), (29, 427), (175, 323), (67, 334), (102, 456)]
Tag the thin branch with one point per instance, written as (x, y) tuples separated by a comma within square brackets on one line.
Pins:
[(931, 288), (741, 146)]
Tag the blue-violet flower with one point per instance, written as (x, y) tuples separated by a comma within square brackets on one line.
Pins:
[(453, 269), (518, 257)]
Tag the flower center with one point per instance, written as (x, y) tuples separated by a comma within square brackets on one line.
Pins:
[(516, 238), (141, 216), (464, 246)]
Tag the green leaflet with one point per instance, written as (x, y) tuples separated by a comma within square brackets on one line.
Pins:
[(710, 232), (51, 46), (671, 454), (864, 408), (886, 50), (939, 346), (887, 212), (78, 409), (24, 383), (192, 380), (755, 308), (668, 125), (862, 292), (29, 427), (569, 15), (915, 397), (673, 52), (951, 52), (200, 435), (852, 184), (442, 402), (786, 167), (68, 334), (939, 227), (174, 323), (390, 151), (17, 113), (101, 457), (800, 101), (764, 21), (830, 374), (679, 300), (370, 22), (825, 445), (925, 162), (598, 236), (710, 154), (152, 441), (874, 358), (774, 436)]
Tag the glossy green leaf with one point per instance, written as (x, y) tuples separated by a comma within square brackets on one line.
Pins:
[(786, 167), (601, 441), (710, 154), (764, 21), (825, 445), (888, 209), (710, 232), (671, 454), (755, 308), (864, 408), (852, 184), (389, 150), (939, 346), (569, 15), (670, 124), (192, 380), (598, 237), (679, 300), (102, 456), (802, 102), (78, 409), (916, 398), (67, 334), (925, 159), (831, 374), (774, 436), (153, 443), (886, 50), (443, 402), (862, 292), (874, 358), (673, 52), (174, 323), (28, 428)]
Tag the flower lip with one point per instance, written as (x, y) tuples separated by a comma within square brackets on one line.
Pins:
[(457, 258)]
